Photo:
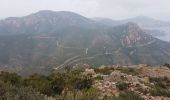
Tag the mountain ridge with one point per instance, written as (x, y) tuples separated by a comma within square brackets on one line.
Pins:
[(44, 43), (43, 21)]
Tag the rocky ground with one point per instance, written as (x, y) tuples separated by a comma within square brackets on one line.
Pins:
[(150, 83)]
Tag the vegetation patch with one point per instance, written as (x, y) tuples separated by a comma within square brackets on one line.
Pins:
[(129, 95), (121, 85)]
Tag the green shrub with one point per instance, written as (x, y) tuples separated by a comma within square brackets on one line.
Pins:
[(160, 82), (167, 65), (131, 71), (84, 83), (121, 85), (105, 71), (160, 92), (129, 95), (9, 92), (11, 78), (89, 94), (99, 77)]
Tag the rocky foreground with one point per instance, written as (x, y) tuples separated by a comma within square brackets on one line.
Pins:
[(135, 82), (150, 83)]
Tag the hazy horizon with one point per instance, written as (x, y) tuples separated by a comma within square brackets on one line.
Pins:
[(114, 9), (86, 16)]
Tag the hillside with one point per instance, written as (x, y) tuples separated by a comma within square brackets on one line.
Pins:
[(45, 40)]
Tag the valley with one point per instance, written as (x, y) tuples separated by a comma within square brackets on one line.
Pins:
[(49, 40)]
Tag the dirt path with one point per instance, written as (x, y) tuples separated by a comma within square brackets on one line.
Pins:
[(165, 52), (66, 62), (142, 45)]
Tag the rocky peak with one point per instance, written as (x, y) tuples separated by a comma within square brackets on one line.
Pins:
[(133, 29), (133, 35)]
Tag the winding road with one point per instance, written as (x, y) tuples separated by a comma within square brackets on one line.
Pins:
[(78, 58)]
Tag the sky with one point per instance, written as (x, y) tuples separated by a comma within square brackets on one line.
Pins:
[(115, 9)]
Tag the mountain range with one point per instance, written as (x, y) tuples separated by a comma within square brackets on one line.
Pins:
[(49, 40), (157, 28), (142, 21)]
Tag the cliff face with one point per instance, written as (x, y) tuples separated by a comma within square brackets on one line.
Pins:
[(134, 36)]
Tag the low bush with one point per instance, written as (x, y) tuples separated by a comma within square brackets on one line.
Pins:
[(160, 92), (121, 85), (129, 95)]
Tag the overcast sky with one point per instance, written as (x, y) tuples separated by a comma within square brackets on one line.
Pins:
[(115, 9)]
